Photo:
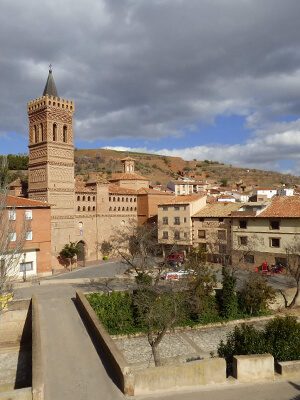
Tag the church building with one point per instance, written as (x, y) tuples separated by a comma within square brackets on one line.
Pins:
[(87, 213)]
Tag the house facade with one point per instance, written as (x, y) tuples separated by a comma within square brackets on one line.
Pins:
[(267, 233), (27, 229)]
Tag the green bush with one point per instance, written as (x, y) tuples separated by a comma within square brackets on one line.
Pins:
[(283, 336), (115, 311), (227, 298), (255, 295), (143, 279)]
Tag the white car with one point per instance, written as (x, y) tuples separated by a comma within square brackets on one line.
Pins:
[(176, 275)]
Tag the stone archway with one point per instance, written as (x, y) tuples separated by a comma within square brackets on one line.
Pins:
[(81, 253)]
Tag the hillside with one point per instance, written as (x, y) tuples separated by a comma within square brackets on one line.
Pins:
[(161, 169)]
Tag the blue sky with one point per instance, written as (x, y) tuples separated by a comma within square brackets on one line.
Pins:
[(208, 80)]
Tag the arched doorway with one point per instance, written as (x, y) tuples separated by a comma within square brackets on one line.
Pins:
[(81, 254)]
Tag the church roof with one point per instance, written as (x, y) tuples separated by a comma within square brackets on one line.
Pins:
[(50, 88), (127, 176)]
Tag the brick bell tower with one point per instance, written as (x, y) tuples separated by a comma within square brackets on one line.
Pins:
[(51, 159)]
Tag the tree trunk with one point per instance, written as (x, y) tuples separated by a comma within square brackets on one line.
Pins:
[(293, 302), (156, 355)]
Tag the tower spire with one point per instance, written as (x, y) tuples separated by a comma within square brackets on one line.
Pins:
[(50, 88)]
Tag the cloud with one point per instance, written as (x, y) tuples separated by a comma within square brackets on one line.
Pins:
[(265, 150), (152, 69)]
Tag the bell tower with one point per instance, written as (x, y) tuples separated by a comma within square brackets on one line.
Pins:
[(51, 154)]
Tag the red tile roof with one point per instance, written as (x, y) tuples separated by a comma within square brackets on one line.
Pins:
[(127, 177), (115, 189), (218, 210), (18, 202), (182, 199), (282, 207)]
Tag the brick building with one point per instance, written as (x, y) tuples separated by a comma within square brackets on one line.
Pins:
[(26, 225)]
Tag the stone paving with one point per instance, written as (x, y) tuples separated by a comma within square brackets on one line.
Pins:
[(178, 346)]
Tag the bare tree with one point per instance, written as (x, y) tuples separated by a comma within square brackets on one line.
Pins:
[(161, 304), (11, 241), (293, 270)]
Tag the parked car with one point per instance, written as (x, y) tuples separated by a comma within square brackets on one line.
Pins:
[(176, 275), (176, 256)]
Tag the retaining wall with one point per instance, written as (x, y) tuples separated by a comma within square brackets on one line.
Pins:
[(255, 367), (289, 369), (134, 382)]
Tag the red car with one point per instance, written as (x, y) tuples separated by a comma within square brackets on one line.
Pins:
[(176, 256)]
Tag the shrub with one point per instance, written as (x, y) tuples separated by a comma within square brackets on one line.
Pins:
[(283, 336), (227, 298), (143, 279), (255, 295), (114, 310)]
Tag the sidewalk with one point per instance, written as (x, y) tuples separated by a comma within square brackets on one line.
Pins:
[(72, 368)]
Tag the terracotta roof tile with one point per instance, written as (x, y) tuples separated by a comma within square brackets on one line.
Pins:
[(14, 201), (182, 199), (115, 189), (282, 207), (218, 210), (127, 176)]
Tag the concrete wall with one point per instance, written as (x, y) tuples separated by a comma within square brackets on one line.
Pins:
[(289, 369), (111, 356), (203, 372), (255, 367), (133, 382), (19, 394), (14, 323)]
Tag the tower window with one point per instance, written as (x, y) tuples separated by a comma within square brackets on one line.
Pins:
[(36, 138), (54, 132), (41, 133), (83, 198), (89, 198), (78, 198), (65, 134)]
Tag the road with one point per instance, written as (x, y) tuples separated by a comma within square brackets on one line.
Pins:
[(258, 391)]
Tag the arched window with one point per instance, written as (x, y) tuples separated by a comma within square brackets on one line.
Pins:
[(36, 138), (127, 209), (54, 132), (65, 134), (130, 208), (109, 199), (83, 208), (94, 208), (94, 198), (78, 198), (118, 198), (41, 135), (110, 208), (78, 208), (115, 208), (134, 199), (89, 208), (134, 208), (122, 198), (83, 198), (89, 198), (119, 208), (126, 198), (131, 199), (114, 199), (123, 208)]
